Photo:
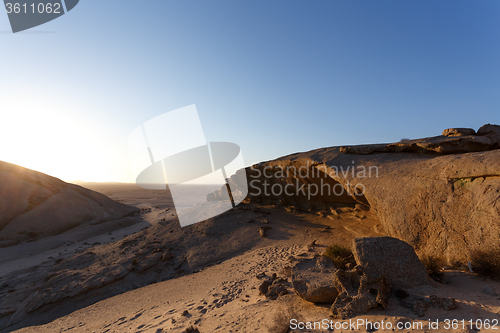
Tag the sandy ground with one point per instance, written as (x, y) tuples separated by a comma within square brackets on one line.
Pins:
[(225, 297), (153, 202)]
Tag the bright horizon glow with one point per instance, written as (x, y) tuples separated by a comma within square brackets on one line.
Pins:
[(40, 134)]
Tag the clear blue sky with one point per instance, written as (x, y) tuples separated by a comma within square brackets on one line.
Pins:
[(275, 77)]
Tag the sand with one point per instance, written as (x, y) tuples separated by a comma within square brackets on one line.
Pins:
[(224, 297)]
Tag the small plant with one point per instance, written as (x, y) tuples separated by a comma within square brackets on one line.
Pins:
[(340, 255), (434, 266), (336, 250), (486, 263), (403, 140), (134, 261), (281, 320), (464, 182)]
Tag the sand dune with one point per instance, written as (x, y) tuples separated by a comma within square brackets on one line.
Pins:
[(35, 205)]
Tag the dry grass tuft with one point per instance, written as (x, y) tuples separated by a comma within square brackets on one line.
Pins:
[(434, 266), (340, 255), (281, 320)]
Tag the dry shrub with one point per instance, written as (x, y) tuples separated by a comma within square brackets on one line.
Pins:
[(281, 320), (340, 255), (434, 266), (486, 263)]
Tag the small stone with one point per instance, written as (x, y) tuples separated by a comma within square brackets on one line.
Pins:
[(274, 291), (321, 213), (263, 231), (264, 286), (443, 303), (191, 329), (489, 290), (419, 308)]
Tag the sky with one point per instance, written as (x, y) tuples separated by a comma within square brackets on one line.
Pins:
[(274, 77)]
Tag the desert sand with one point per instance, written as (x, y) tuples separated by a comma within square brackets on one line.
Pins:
[(224, 297)]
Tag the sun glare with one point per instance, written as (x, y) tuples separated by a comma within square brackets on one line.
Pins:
[(45, 135)]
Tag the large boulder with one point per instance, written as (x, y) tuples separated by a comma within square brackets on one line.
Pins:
[(34, 205), (492, 132), (390, 258), (312, 280)]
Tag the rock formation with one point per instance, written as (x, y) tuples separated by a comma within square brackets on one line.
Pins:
[(273, 287), (35, 205), (358, 293), (383, 263), (438, 194), (312, 280), (390, 258)]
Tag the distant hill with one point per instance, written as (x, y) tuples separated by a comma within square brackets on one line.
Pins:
[(34, 205)]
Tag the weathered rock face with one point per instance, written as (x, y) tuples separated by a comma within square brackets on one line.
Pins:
[(453, 141), (383, 263), (445, 206), (492, 132), (312, 280), (35, 205), (291, 184), (441, 195), (390, 258), (358, 293)]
